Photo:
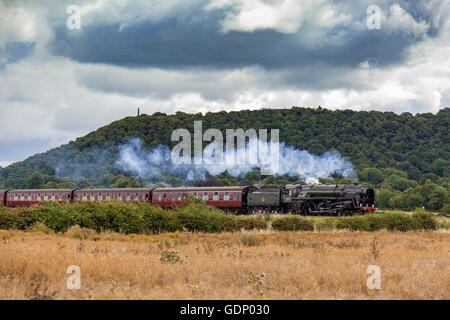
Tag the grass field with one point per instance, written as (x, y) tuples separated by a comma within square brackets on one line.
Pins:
[(254, 265)]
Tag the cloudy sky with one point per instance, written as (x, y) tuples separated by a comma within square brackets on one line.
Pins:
[(58, 82)]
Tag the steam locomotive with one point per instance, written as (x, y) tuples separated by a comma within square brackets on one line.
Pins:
[(307, 199)]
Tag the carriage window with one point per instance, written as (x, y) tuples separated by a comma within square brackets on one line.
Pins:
[(29, 197), (136, 196), (128, 196), (60, 197), (108, 196), (226, 196), (45, 196), (53, 197), (22, 197), (39, 197), (146, 196), (160, 196), (173, 196), (234, 195), (179, 197), (84, 196), (195, 195), (205, 196), (100, 197), (185, 196), (216, 196)]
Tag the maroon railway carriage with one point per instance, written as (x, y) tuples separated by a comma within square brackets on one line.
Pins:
[(119, 194), (28, 197), (227, 198), (3, 197)]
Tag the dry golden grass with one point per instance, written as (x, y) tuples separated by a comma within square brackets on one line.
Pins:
[(414, 265)]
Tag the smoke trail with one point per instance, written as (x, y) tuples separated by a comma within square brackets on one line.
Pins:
[(157, 164)]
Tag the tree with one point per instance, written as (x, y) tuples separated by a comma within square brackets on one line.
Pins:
[(398, 201), (382, 198), (372, 175), (120, 183), (439, 165), (35, 181), (399, 183), (429, 176), (436, 199), (413, 198)]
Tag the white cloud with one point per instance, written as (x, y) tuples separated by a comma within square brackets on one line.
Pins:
[(400, 20), (285, 16), (16, 24)]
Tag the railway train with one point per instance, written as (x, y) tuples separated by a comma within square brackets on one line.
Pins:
[(304, 199)]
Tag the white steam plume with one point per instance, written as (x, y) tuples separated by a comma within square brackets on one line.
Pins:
[(157, 164)]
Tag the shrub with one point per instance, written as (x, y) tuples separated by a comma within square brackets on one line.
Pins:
[(353, 223), (398, 222), (195, 216), (444, 224), (249, 223), (57, 217), (445, 211), (424, 220), (376, 222), (157, 220), (292, 223), (19, 219)]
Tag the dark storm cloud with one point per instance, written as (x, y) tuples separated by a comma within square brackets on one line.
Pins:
[(174, 43)]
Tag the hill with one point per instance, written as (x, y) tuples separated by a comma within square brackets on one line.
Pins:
[(393, 152)]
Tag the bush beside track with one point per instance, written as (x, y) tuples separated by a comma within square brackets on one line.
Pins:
[(143, 218)]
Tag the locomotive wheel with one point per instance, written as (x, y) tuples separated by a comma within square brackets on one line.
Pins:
[(310, 206)]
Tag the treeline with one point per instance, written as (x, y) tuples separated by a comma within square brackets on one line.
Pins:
[(397, 154)]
